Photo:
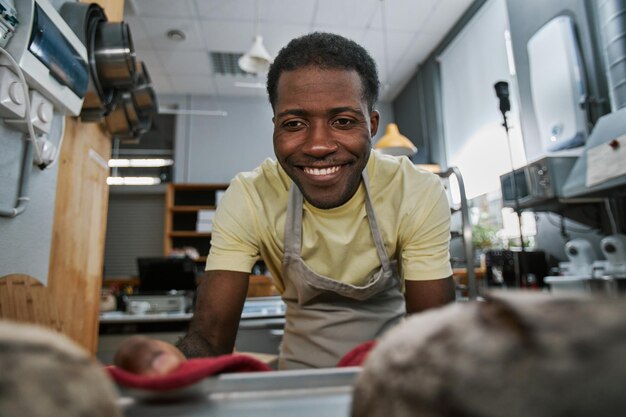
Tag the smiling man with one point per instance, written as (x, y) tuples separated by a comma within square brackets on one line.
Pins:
[(353, 239)]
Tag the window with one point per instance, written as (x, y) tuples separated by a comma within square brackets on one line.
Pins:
[(475, 140)]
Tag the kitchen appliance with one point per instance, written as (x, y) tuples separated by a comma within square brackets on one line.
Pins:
[(160, 275), (175, 302), (600, 169), (581, 258), (557, 85), (504, 268), (614, 249), (537, 183), (51, 57), (583, 274)]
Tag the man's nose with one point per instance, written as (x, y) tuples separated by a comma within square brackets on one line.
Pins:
[(320, 141)]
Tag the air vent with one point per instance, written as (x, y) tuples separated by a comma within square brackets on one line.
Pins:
[(225, 63)]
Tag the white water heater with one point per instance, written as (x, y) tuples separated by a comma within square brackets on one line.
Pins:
[(557, 85)]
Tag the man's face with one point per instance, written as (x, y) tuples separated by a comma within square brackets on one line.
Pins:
[(322, 132)]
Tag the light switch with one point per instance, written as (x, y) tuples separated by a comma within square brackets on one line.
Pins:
[(41, 113), (12, 102)]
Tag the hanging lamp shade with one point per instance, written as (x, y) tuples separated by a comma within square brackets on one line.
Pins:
[(394, 143), (257, 59)]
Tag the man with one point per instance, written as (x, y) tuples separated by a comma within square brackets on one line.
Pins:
[(353, 240)]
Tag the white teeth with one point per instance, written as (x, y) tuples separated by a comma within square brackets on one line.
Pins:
[(322, 171)]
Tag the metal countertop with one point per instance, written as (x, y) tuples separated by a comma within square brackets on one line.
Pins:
[(319, 392)]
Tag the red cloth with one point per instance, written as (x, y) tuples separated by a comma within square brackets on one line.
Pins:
[(189, 372), (194, 370), (357, 356)]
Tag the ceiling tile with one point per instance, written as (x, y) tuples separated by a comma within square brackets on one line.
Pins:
[(161, 84), (193, 84), (227, 36), (156, 28), (351, 33), (445, 16), (138, 33), (227, 9), (293, 12), (151, 60), (276, 37), (349, 14), (407, 15), (397, 45), (162, 8), (185, 62), (414, 28)]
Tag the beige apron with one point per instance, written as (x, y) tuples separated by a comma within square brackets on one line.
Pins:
[(325, 318)]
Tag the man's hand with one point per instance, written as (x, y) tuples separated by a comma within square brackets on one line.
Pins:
[(212, 331), (144, 356)]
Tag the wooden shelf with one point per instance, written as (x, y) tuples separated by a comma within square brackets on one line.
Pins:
[(183, 203)]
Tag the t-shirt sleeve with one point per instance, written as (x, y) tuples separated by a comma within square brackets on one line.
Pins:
[(234, 240), (425, 251)]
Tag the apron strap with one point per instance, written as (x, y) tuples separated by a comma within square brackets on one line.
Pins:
[(371, 217), (293, 224)]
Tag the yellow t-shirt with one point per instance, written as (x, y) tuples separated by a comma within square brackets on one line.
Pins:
[(411, 209)]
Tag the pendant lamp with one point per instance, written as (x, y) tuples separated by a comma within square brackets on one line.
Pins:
[(257, 59), (394, 143)]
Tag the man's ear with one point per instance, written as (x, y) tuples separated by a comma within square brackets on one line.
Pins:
[(374, 120)]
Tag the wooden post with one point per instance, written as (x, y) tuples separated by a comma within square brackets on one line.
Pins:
[(70, 303)]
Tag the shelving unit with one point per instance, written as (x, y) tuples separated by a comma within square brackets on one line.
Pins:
[(183, 203)]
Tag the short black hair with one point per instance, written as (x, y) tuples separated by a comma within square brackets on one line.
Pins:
[(326, 51)]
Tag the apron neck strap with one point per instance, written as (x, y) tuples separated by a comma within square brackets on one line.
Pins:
[(293, 223)]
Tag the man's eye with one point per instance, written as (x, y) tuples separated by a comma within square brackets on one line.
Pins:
[(343, 122), (293, 124)]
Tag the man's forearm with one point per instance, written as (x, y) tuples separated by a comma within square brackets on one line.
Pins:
[(219, 302), (193, 345)]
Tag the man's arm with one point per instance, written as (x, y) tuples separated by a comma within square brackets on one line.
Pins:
[(219, 302), (422, 295), (213, 329)]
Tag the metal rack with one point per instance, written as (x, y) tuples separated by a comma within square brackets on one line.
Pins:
[(466, 229)]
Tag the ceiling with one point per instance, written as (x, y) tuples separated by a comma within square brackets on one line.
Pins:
[(413, 29)]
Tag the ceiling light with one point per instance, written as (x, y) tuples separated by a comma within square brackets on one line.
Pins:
[(394, 143), (193, 112), (257, 59), (249, 85), (140, 163), (176, 35), (133, 180)]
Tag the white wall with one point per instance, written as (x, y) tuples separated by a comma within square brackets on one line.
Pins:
[(25, 240)]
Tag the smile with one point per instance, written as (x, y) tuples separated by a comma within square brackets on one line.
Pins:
[(321, 171)]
